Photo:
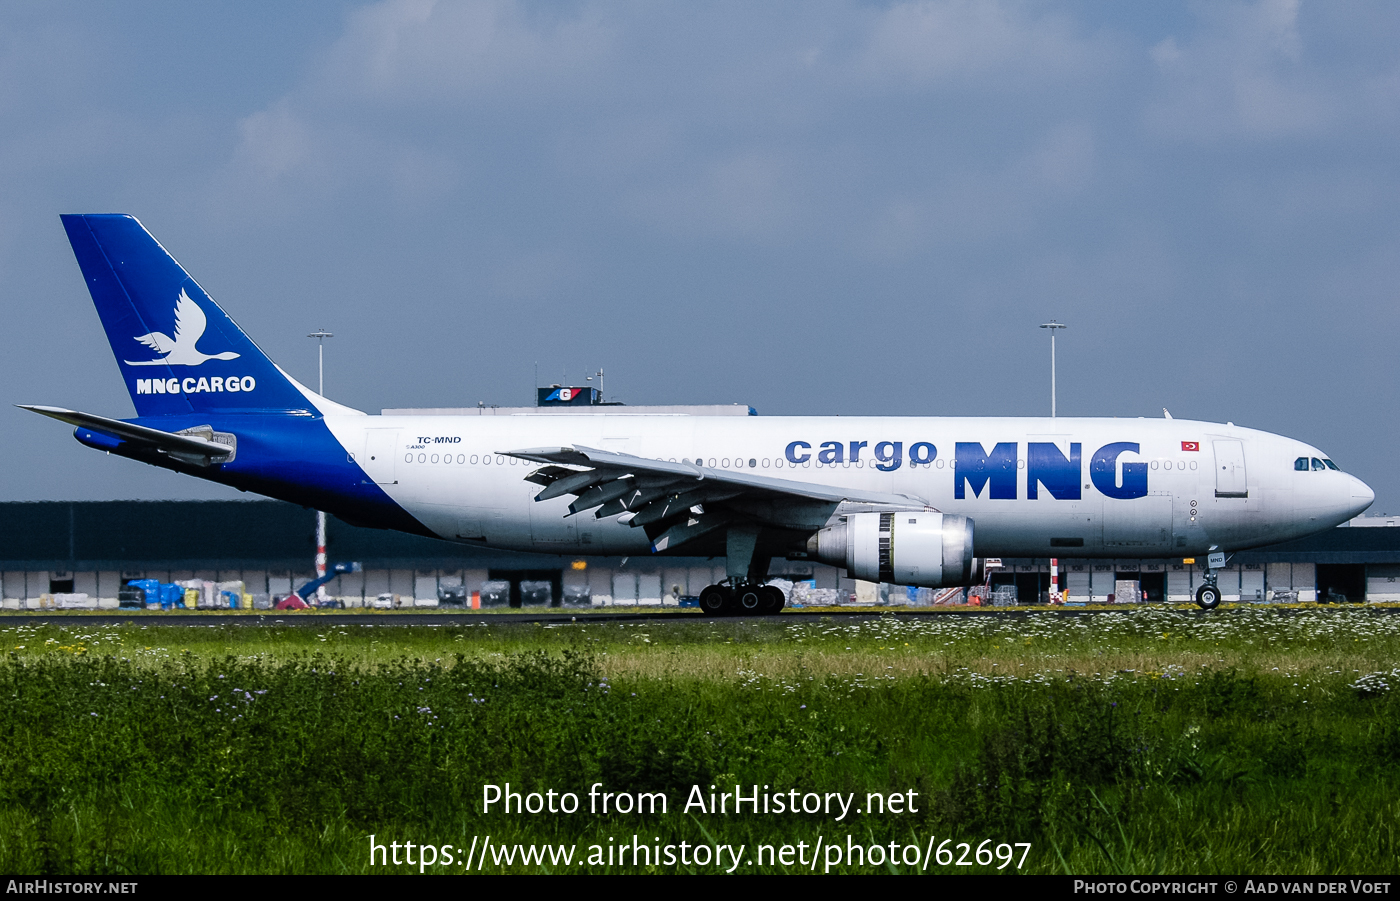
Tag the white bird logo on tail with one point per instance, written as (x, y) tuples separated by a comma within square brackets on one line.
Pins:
[(190, 323)]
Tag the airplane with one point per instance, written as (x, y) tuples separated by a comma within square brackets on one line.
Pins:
[(904, 500)]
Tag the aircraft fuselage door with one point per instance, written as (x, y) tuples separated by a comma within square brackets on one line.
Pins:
[(1140, 522), (1230, 478), (380, 454)]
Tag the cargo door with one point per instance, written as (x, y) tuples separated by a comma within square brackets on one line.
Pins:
[(1230, 478), (381, 452), (551, 528), (1141, 523), (469, 525)]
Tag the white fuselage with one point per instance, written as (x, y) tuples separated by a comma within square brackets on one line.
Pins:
[(1048, 498)]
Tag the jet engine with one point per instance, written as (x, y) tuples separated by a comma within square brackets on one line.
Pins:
[(932, 550)]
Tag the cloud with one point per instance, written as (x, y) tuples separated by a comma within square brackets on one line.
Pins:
[(534, 275), (1245, 75), (389, 106), (746, 195), (976, 45), (274, 142), (444, 178), (978, 202), (420, 52)]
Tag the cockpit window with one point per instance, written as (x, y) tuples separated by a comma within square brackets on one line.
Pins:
[(1301, 464), (1317, 464), (1331, 465)]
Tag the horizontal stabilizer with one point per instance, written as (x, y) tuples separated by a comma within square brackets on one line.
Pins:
[(188, 448)]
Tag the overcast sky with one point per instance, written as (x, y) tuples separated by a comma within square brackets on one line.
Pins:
[(812, 208)]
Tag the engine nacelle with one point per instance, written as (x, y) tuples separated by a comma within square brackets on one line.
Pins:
[(932, 550)]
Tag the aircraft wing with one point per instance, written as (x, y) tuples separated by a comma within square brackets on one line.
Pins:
[(189, 448), (677, 502)]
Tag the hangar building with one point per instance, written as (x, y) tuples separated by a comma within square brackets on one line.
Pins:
[(93, 548)]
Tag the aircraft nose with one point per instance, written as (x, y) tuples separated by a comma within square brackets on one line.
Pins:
[(1361, 496)]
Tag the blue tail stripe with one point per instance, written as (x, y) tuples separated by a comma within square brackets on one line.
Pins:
[(119, 315), (178, 351), (187, 364)]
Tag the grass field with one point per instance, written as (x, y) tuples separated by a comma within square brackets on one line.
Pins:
[(1249, 740)]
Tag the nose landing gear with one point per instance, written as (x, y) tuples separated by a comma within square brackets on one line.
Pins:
[(1208, 595)]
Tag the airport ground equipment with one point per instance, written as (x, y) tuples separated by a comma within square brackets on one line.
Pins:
[(306, 591)]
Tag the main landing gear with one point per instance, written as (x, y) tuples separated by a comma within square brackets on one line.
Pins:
[(741, 599), (744, 592)]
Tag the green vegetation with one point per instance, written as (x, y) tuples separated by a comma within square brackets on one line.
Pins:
[(1155, 742)]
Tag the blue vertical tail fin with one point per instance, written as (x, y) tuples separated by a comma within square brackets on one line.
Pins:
[(178, 351)]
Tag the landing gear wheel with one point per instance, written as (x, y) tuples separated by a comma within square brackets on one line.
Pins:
[(750, 599), (773, 599), (1208, 597), (714, 600)]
